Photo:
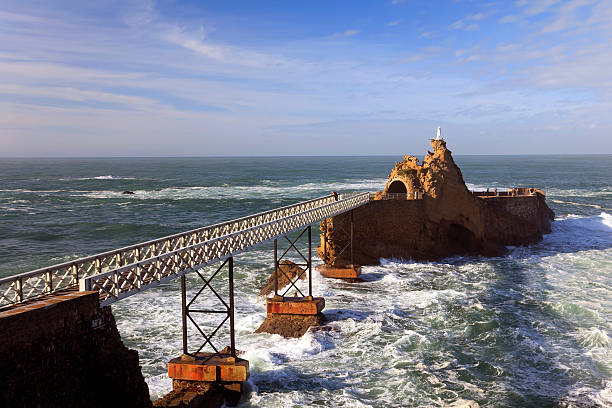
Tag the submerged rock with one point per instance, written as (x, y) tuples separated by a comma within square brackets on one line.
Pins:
[(437, 217)]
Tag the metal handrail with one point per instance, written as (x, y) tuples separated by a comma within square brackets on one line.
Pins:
[(130, 279), (511, 192), (395, 196), (66, 275)]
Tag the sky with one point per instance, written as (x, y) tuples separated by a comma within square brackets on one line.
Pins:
[(258, 78)]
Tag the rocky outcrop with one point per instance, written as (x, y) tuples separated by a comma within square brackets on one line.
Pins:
[(64, 351), (288, 270), (192, 394), (290, 325), (440, 218)]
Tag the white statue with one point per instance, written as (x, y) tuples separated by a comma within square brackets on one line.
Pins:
[(439, 133)]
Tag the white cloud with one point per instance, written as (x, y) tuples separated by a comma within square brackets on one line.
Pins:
[(457, 25), (224, 54), (347, 33), (393, 23), (412, 58), (460, 25), (476, 17), (19, 17), (535, 7), (508, 19)]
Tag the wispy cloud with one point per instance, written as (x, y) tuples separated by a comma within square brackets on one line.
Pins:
[(461, 25), (508, 19), (535, 7), (222, 53), (347, 33), (476, 17), (393, 23)]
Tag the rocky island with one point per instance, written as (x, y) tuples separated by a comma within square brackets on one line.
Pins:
[(426, 212)]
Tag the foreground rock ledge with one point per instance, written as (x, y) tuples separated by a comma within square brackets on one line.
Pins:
[(65, 351), (445, 219)]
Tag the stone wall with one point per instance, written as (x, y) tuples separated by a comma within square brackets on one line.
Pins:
[(66, 352)]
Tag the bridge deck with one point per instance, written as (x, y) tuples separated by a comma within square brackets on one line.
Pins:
[(123, 272)]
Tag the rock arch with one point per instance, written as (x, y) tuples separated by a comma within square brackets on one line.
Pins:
[(397, 186)]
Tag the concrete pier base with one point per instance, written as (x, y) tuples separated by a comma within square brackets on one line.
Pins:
[(292, 316), (205, 380), (344, 272), (295, 305)]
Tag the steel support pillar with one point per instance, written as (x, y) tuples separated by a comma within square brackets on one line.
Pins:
[(307, 265), (352, 222), (188, 310)]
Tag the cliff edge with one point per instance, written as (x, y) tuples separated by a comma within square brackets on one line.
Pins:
[(426, 212)]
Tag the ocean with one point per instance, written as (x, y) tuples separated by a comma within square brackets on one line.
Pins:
[(530, 329)]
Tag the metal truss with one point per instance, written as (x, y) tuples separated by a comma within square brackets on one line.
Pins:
[(188, 309), (307, 266), (123, 272)]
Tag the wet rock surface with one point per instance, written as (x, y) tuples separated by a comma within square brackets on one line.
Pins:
[(290, 325), (445, 220), (288, 270), (198, 394), (202, 394)]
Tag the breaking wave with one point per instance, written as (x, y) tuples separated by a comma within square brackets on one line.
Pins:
[(422, 333), (259, 191)]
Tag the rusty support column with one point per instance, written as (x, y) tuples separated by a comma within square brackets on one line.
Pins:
[(309, 261), (231, 307), (325, 238), (352, 261), (275, 267), (184, 312)]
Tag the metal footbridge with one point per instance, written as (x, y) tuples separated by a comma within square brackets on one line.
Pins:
[(126, 271)]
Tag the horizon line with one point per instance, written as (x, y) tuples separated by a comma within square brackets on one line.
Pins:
[(292, 155)]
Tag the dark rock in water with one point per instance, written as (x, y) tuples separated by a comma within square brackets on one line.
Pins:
[(288, 270), (202, 394), (128, 192), (193, 395), (290, 325)]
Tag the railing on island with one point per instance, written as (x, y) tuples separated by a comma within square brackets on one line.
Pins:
[(512, 192)]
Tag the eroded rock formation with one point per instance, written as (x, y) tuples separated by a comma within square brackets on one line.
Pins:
[(440, 218), (290, 325), (288, 270)]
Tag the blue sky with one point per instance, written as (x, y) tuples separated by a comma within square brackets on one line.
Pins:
[(166, 78)]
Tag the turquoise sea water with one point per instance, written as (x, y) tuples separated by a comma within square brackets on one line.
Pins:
[(532, 328)]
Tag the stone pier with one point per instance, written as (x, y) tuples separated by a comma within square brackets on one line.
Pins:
[(292, 316)]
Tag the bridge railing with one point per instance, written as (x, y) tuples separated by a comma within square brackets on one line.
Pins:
[(512, 192), (44, 281), (127, 280)]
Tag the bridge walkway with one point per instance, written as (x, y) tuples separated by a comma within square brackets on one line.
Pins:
[(130, 270)]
